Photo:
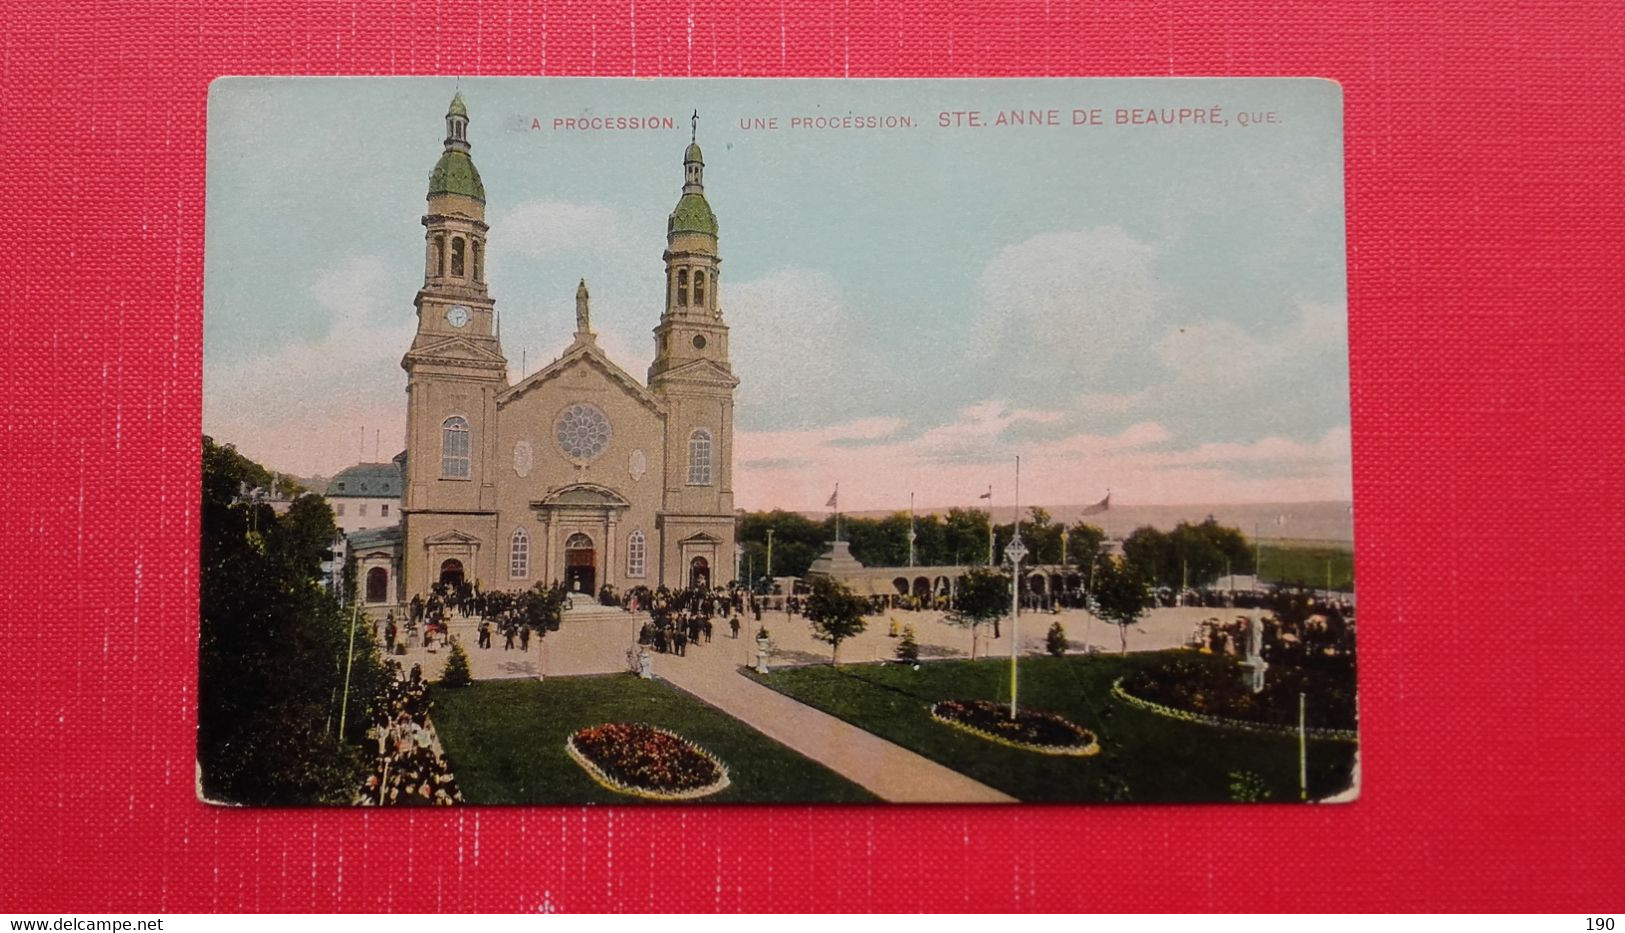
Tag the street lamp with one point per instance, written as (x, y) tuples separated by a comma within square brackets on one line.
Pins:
[(770, 560), (1014, 552)]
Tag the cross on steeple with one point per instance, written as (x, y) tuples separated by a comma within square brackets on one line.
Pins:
[(694, 128)]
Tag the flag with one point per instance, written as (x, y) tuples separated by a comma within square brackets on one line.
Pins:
[(1099, 507), (832, 497), (986, 495)]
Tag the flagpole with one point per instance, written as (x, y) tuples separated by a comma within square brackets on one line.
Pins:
[(911, 532), (990, 524)]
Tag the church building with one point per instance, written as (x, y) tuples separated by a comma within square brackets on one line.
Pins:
[(580, 472)]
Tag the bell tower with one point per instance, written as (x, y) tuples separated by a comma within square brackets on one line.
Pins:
[(454, 370), (691, 325), (454, 301), (691, 373)]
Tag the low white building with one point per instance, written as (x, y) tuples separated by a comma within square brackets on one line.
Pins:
[(366, 504), (367, 495)]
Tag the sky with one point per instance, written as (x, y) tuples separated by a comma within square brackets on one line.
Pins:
[(1158, 310)]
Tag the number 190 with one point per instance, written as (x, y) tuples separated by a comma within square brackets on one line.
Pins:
[(1599, 923)]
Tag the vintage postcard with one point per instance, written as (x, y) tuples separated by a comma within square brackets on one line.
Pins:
[(612, 441)]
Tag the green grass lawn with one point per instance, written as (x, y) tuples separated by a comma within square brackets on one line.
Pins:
[(505, 740), (1305, 565), (1153, 758)]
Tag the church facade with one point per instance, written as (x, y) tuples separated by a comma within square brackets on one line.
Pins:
[(580, 472)]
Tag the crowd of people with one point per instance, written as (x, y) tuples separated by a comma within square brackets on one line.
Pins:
[(407, 769), (680, 618)]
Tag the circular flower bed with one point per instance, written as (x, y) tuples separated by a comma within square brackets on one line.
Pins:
[(1031, 730), (645, 761)]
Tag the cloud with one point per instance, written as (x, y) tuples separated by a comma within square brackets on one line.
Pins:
[(953, 462), (1061, 306), (540, 228), (302, 407), (795, 349), (1221, 354)]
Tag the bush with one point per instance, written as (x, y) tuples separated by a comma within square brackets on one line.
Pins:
[(1248, 787), (1055, 642), (456, 673), (907, 648)]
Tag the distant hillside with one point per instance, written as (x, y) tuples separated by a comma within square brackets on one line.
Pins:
[(1299, 521)]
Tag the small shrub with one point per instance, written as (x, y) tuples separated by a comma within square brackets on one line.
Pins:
[(908, 649), (456, 673), (1055, 642)]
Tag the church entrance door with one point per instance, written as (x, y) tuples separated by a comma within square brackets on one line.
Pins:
[(699, 572), (580, 566), (377, 585), (451, 573)]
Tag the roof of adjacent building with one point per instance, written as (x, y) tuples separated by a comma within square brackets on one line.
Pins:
[(388, 536), (366, 480)]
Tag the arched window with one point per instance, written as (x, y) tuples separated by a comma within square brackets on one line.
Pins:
[(699, 289), (636, 555), (519, 555), (699, 458), (682, 286), (377, 585), (479, 260), (440, 254), (454, 448), (457, 256)]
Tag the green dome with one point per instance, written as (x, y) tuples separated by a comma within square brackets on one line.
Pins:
[(692, 215), (455, 174), (458, 108), (692, 154)]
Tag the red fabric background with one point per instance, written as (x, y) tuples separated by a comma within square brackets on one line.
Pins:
[(1487, 285)]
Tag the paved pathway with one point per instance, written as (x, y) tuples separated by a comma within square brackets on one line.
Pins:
[(710, 671), (889, 771)]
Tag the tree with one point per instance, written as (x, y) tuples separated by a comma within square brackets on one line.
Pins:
[(1083, 542), (1055, 641), (1147, 550), (273, 648), (964, 536), (456, 673), (540, 608), (836, 614), (797, 541), (349, 579), (1043, 537), (1121, 595), (984, 595), (1193, 555)]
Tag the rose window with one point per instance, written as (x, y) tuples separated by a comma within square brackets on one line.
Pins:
[(582, 431)]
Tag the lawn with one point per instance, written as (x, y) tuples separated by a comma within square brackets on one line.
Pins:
[(505, 740), (1144, 757), (1305, 565)]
